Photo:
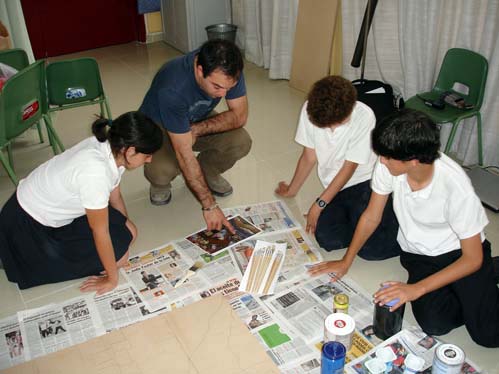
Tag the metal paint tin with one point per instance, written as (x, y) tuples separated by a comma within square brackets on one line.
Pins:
[(449, 359), (333, 358), (339, 327), (340, 303)]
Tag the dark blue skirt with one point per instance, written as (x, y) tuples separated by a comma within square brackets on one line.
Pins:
[(34, 254)]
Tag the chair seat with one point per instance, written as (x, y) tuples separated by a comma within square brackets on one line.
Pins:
[(446, 115)]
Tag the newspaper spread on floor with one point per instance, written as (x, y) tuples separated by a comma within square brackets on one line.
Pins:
[(288, 324)]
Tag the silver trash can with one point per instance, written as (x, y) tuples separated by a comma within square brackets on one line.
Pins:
[(225, 31)]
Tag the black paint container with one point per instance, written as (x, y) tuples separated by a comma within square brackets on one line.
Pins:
[(386, 323)]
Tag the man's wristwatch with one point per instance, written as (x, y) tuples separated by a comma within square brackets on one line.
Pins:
[(321, 203)]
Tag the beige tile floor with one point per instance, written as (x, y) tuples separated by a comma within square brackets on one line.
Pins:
[(127, 71)]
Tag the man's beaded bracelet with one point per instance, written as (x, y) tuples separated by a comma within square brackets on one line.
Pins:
[(210, 208)]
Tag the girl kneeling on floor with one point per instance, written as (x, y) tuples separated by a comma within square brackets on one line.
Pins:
[(67, 219)]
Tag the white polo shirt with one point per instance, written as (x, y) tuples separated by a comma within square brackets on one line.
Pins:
[(433, 220), (350, 141), (60, 190)]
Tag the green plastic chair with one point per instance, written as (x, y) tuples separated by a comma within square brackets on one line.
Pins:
[(75, 83), (22, 104), (18, 59), (464, 67)]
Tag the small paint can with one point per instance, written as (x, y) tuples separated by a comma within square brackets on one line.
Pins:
[(413, 364), (340, 303), (449, 359), (333, 358), (375, 366), (339, 327)]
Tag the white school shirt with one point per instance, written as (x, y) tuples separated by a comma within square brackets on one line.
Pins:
[(350, 141), (60, 190), (433, 220)]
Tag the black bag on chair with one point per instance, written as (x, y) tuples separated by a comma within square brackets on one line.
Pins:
[(376, 95)]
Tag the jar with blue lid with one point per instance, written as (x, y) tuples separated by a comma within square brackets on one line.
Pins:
[(333, 358)]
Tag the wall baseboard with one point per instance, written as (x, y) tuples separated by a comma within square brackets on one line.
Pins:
[(154, 37)]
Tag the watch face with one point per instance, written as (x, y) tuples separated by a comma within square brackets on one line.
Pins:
[(321, 203)]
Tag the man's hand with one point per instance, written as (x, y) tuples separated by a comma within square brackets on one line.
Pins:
[(397, 290), (312, 217), (101, 284), (283, 190), (339, 268), (215, 220)]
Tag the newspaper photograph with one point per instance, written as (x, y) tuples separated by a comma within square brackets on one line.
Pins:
[(269, 217), (122, 307), (215, 241), (299, 252), (57, 326), (251, 311), (11, 343)]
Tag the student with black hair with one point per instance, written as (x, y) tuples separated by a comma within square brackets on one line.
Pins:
[(67, 218), (181, 98), (451, 278)]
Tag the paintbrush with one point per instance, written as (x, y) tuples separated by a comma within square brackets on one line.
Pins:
[(273, 271), (189, 273)]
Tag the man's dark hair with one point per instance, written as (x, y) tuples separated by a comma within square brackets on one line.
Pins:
[(331, 101), (407, 135), (222, 55)]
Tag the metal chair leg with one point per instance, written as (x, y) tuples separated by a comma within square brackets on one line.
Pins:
[(9, 169), (452, 134), (40, 134), (479, 136)]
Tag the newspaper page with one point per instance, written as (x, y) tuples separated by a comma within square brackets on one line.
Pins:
[(217, 269), (301, 311), (154, 275), (57, 326), (412, 340), (122, 307), (307, 366), (11, 343), (299, 252), (269, 217)]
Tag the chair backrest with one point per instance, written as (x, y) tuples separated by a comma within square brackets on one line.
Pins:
[(22, 101), (16, 58), (464, 67), (73, 81)]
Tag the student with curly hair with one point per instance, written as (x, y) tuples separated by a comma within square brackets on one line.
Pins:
[(334, 130), (67, 218)]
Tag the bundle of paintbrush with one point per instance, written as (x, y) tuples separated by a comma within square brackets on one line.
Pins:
[(263, 269)]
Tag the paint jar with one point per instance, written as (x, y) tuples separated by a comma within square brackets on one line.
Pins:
[(339, 327), (449, 359), (386, 355), (340, 303), (333, 358), (374, 366), (386, 323), (413, 364)]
